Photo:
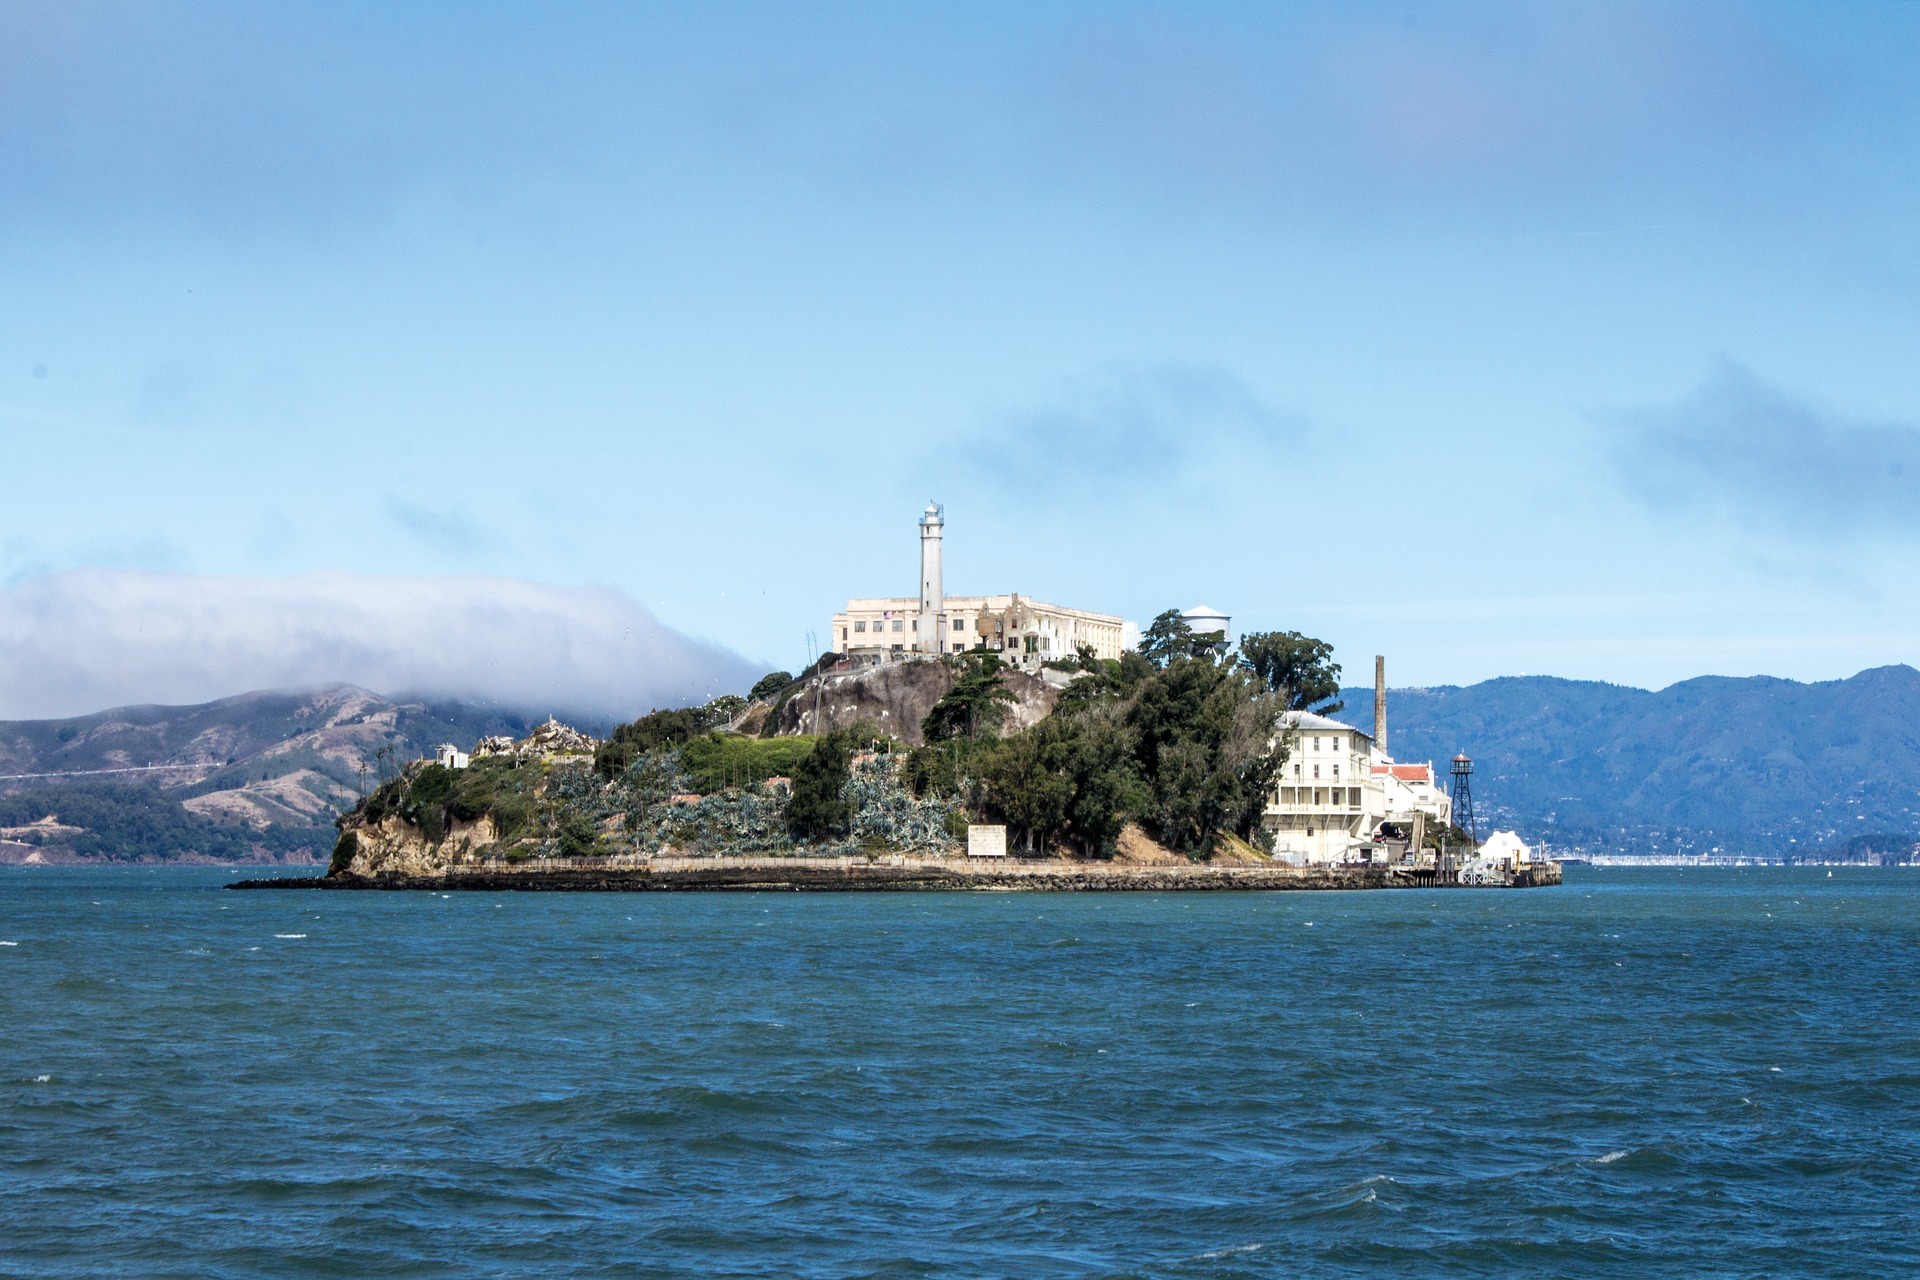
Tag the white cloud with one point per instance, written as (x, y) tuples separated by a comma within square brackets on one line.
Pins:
[(85, 640), (1128, 428), (1743, 452)]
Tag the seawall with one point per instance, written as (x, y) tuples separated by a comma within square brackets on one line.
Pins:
[(896, 874)]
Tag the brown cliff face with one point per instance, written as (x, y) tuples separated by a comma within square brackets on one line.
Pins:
[(897, 696), (395, 847)]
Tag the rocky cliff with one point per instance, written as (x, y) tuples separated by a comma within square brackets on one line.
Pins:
[(394, 847), (897, 696)]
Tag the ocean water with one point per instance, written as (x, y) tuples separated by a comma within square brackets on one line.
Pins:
[(1645, 1073)]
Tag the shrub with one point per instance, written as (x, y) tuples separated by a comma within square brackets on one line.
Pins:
[(431, 786), (579, 838), (344, 850), (722, 760), (724, 708), (384, 800), (512, 813), (818, 807), (471, 800), (768, 685), (933, 771)]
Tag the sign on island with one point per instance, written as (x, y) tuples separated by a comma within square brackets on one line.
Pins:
[(984, 841)]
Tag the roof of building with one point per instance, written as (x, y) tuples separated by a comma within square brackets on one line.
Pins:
[(1308, 720), (1407, 772), (969, 604)]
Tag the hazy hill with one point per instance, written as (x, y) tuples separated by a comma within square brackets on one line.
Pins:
[(268, 770), (1753, 765), (1756, 764)]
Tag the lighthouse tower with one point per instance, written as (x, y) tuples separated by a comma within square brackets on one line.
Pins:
[(928, 636)]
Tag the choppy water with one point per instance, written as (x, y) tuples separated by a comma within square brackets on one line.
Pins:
[(1642, 1073)]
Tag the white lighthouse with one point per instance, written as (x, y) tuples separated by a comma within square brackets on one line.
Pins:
[(928, 637)]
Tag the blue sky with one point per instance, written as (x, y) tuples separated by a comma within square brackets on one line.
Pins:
[(1570, 339)]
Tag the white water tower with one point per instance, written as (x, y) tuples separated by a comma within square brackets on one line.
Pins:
[(1204, 619)]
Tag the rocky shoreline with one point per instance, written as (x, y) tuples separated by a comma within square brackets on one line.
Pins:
[(911, 875)]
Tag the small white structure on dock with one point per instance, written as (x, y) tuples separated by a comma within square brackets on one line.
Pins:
[(1506, 850)]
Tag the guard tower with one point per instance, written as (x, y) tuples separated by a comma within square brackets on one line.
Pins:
[(1463, 796)]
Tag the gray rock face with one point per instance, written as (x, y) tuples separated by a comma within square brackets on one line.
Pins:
[(897, 696)]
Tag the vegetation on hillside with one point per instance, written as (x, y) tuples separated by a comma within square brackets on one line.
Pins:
[(126, 822), (1178, 737)]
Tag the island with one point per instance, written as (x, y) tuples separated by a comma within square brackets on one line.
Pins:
[(1170, 767)]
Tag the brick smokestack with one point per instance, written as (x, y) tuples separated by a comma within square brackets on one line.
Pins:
[(1380, 703)]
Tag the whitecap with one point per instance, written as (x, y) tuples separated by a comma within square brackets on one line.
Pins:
[(1239, 1248), (9, 944), (1611, 1156), (43, 1079), (289, 935)]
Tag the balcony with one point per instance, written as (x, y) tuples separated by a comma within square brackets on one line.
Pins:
[(1325, 798)]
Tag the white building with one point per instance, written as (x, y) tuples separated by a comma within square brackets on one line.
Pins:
[(1023, 631), (1410, 789), (1335, 790), (451, 757)]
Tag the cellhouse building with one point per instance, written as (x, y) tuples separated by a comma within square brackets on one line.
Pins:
[(1025, 632)]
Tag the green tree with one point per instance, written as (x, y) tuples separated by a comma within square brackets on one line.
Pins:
[(1205, 750), (650, 732), (1167, 637), (934, 770), (1069, 781), (579, 838), (1298, 668), (1171, 636), (975, 706), (768, 685), (817, 806)]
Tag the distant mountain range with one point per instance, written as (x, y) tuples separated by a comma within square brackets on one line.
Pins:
[(261, 774), (1744, 765), (1755, 765)]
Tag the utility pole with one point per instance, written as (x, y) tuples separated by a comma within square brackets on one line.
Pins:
[(819, 677)]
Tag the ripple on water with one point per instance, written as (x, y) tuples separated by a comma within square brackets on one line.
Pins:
[(1172, 1085)]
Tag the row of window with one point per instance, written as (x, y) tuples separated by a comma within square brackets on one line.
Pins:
[(1333, 744), (1322, 797), (1316, 771), (1033, 644)]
